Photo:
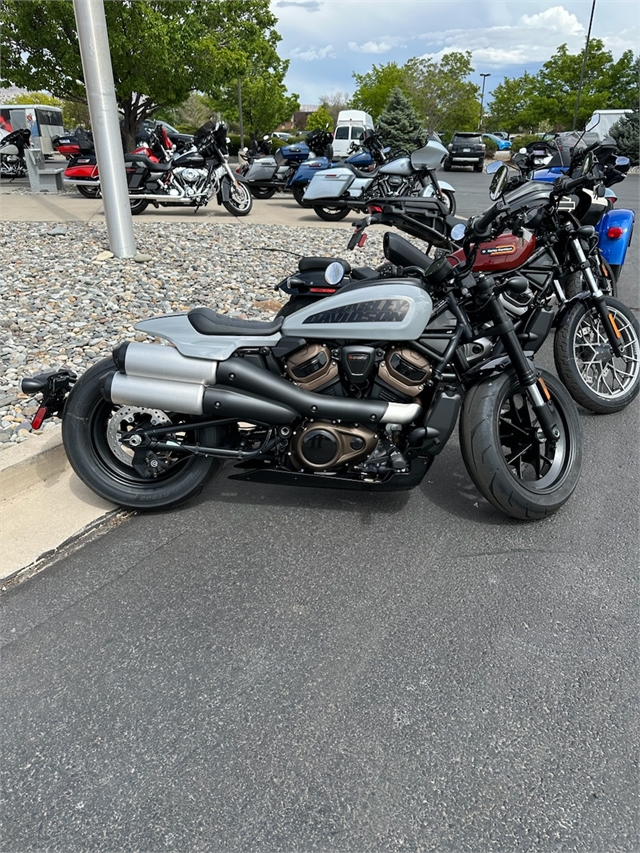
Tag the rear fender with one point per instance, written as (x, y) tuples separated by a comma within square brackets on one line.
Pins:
[(614, 249)]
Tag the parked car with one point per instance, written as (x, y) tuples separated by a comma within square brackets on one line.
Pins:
[(465, 149), (503, 144), (281, 134), (501, 133), (180, 140)]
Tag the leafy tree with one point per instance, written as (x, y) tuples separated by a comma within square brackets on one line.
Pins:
[(320, 120), (334, 103), (265, 103), (549, 96), (190, 115), (374, 88), (160, 50), (399, 123), (442, 94), (626, 134)]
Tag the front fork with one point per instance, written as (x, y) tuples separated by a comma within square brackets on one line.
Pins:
[(503, 326), (613, 333)]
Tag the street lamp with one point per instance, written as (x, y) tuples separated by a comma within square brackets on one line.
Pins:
[(484, 79)]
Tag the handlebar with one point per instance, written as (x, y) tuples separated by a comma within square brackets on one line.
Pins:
[(480, 226)]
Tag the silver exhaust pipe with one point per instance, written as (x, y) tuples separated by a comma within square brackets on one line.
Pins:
[(156, 361), (148, 393)]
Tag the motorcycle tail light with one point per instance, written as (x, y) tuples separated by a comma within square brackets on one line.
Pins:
[(374, 208), (614, 233), (40, 415)]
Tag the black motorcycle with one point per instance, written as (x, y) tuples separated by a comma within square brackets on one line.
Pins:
[(12, 161)]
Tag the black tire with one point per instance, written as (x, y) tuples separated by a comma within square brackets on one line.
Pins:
[(240, 200), (298, 191), (332, 214), (450, 199), (596, 378), (88, 192), (263, 192), (447, 165), (478, 167), (605, 274), (138, 205), (91, 440), (516, 472)]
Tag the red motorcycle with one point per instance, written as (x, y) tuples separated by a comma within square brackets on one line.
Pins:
[(82, 169)]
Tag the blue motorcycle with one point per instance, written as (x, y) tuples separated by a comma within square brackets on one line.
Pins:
[(361, 159), (267, 175), (614, 226)]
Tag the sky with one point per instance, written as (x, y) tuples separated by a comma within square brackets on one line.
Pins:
[(327, 40)]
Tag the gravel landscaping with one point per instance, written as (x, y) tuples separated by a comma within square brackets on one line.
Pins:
[(67, 303)]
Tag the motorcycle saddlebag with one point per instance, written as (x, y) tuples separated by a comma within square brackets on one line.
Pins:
[(263, 169), (332, 183)]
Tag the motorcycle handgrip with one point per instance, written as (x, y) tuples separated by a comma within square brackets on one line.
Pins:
[(564, 186), (480, 225)]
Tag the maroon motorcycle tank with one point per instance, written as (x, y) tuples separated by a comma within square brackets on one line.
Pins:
[(505, 253)]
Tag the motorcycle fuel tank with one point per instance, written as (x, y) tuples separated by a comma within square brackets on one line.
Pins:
[(394, 311), (506, 252), (190, 160)]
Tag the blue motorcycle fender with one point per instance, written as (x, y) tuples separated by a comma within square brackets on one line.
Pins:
[(308, 169), (619, 224)]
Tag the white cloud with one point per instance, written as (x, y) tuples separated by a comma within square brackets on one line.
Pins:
[(307, 5), (556, 19), (383, 46), (312, 53)]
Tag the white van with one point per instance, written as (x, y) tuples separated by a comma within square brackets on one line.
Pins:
[(350, 127), (43, 121), (602, 121)]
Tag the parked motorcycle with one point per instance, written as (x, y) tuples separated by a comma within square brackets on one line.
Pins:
[(359, 157), (266, 175), (74, 144), (12, 162), (554, 257), (360, 391), (614, 225), (335, 192), (190, 178)]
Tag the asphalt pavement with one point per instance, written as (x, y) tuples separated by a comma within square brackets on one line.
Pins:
[(280, 669)]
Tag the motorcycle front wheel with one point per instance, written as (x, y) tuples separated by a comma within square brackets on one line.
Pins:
[(605, 276), (298, 191), (597, 378), (93, 431), (88, 192), (240, 200), (506, 454), (332, 214)]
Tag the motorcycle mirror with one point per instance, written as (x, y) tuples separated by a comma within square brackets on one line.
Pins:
[(622, 161), (499, 182), (334, 273), (457, 232), (493, 167)]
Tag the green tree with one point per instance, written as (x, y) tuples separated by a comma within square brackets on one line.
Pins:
[(265, 102), (441, 93), (399, 123), (374, 88), (510, 101), (160, 50), (334, 103), (320, 120), (626, 133)]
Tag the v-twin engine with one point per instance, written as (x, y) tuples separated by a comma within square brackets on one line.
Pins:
[(193, 182)]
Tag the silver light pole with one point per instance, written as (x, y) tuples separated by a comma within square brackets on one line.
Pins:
[(484, 78), (98, 78)]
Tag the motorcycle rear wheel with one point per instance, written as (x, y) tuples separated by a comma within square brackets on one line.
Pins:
[(88, 192), (240, 200), (332, 214), (92, 429), (520, 474), (298, 191), (263, 192), (596, 378), (138, 205)]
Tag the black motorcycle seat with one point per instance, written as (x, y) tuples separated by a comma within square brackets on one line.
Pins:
[(208, 322), (358, 173), (305, 264), (142, 158)]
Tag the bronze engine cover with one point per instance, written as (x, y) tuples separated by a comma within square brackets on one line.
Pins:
[(323, 446)]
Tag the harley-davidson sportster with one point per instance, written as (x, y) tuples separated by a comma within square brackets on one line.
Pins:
[(361, 391)]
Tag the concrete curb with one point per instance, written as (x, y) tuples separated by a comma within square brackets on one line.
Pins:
[(31, 462)]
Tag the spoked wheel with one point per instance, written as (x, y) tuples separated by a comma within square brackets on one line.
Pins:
[(95, 431), (138, 205), (263, 192), (298, 191), (240, 200), (597, 378), (449, 200), (88, 192), (506, 453), (332, 214)]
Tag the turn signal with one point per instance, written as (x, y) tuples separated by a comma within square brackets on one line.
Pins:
[(614, 233)]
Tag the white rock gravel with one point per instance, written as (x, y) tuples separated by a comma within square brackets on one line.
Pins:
[(66, 302)]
